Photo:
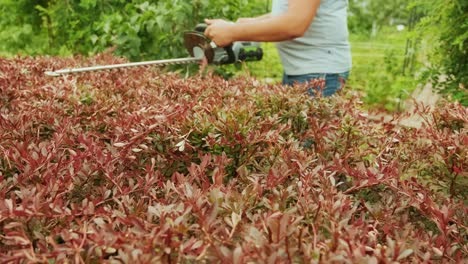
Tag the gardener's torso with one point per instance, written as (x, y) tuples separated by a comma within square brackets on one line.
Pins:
[(324, 48)]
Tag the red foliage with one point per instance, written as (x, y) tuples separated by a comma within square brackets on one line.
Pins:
[(139, 165)]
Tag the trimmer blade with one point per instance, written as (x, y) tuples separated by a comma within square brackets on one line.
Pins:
[(194, 41)]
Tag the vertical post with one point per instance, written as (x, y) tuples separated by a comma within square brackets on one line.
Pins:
[(410, 52)]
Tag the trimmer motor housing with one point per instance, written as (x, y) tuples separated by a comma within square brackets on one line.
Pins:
[(236, 52)]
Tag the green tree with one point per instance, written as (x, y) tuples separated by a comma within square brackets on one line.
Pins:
[(446, 26)]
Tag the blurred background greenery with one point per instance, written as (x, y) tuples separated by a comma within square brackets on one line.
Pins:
[(396, 44)]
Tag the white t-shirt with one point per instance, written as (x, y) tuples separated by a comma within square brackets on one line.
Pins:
[(324, 48)]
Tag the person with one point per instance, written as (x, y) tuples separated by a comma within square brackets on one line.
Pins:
[(311, 37)]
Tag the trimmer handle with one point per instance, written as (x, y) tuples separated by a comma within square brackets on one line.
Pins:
[(231, 56), (201, 27)]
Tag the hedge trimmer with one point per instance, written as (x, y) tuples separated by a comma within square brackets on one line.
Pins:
[(199, 48)]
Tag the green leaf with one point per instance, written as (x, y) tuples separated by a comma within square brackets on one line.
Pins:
[(88, 4)]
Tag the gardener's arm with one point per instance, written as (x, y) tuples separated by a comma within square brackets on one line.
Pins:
[(253, 19), (289, 25), (240, 20)]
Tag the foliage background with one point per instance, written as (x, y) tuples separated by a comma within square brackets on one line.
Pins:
[(369, 16), (447, 23), (137, 29)]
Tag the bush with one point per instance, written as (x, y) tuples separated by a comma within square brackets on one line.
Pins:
[(135, 165)]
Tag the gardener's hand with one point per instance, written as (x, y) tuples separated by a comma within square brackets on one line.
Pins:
[(219, 31)]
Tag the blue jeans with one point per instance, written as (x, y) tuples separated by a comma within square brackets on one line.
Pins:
[(326, 83)]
